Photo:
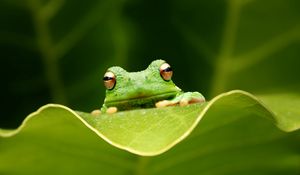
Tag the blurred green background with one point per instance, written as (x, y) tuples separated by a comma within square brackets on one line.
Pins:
[(56, 51)]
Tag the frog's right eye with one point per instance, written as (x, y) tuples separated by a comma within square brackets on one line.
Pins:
[(109, 80), (166, 71)]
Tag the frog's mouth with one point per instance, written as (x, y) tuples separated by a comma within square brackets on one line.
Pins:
[(140, 101)]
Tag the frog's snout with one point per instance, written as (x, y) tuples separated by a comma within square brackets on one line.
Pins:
[(141, 93)]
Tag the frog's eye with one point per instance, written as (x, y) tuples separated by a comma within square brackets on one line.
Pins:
[(166, 71), (109, 80)]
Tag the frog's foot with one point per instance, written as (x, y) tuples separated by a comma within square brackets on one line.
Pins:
[(183, 100), (111, 110), (96, 112)]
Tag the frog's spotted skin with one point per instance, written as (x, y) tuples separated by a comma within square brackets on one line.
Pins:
[(145, 89)]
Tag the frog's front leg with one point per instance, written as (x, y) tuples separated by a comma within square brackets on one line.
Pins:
[(182, 99)]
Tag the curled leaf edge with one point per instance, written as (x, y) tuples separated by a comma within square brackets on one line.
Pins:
[(10, 133)]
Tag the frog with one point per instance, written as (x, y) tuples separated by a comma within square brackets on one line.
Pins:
[(149, 88)]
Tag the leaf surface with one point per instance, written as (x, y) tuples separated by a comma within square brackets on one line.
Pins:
[(230, 127)]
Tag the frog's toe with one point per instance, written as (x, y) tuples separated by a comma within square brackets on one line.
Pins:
[(196, 100), (183, 102), (164, 103), (96, 112), (111, 110)]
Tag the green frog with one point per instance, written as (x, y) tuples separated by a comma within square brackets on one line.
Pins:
[(152, 87)]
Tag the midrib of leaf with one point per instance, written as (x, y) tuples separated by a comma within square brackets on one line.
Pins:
[(50, 10), (200, 45), (50, 59), (98, 13), (51, 53), (225, 66), (223, 60), (141, 165), (119, 37)]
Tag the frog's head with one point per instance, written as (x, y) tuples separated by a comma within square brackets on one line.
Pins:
[(142, 88)]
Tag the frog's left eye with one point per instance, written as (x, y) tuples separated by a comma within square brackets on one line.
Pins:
[(109, 80), (166, 71)]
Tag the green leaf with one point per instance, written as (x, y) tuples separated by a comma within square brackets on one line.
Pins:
[(235, 127)]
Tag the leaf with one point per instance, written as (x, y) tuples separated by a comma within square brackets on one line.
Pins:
[(70, 141)]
